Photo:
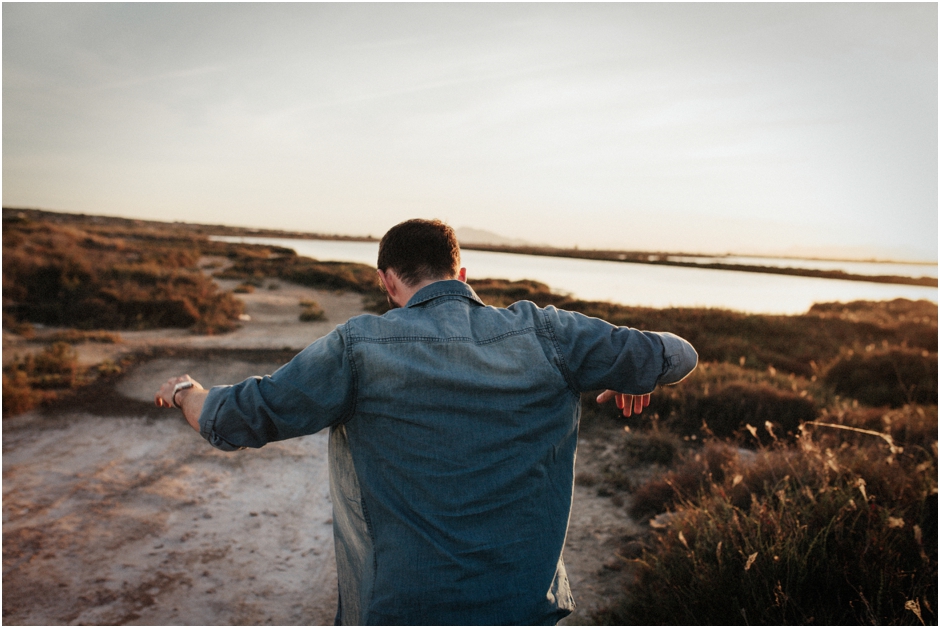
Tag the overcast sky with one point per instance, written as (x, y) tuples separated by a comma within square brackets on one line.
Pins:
[(693, 127)]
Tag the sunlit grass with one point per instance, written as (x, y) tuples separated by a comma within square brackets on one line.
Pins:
[(829, 531)]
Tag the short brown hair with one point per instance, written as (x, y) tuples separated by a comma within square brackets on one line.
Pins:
[(418, 250)]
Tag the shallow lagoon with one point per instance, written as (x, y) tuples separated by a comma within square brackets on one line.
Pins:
[(651, 285)]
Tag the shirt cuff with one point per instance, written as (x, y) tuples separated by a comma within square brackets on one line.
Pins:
[(679, 358), (208, 417)]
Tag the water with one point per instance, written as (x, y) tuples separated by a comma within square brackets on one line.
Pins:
[(901, 269), (643, 284)]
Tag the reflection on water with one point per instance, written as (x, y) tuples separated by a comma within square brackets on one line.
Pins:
[(643, 284)]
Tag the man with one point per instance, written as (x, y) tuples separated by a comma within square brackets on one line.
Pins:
[(453, 429)]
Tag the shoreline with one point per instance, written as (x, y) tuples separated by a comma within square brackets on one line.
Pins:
[(624, 256)]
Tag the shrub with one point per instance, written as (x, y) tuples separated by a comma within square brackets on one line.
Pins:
[(23, 329), (67, 275), (738, 407), (897, 312), (698, 470), (652, 447), (305, 271), (18, 395), (502, 292), (891, 377), (911, 430), (312, 312), (722, 400), (796, 536), (39, 377), (55, 366), (75, 336)]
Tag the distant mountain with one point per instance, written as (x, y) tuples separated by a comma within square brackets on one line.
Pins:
[(469, 235)]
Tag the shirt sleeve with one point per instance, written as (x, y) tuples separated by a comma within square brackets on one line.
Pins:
[(315, 390), (598, 355)]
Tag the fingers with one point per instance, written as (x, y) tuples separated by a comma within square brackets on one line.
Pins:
[(628, 404)]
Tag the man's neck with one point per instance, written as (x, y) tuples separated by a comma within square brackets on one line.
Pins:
[(400, 294), (409, 291)]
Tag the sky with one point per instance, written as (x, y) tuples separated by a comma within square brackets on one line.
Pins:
[(747, 128)]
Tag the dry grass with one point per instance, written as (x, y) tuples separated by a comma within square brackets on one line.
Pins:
[(889, 377), (41, 377), (66, 275), (832, 531)]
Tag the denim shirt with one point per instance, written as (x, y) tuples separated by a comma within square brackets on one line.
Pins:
[(453, 429)]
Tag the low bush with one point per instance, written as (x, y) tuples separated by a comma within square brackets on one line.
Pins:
[(723, 400), (305, 271), (697, 470), (892, 377), (910, 430), (739, 409), (76, 336), (18, 395), (39, 377), (65, 275), (653, 446), (637, 449), (502, 292), (808, 535), (312, 312)]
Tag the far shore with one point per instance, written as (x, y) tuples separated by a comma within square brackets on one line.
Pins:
[(629, 257)]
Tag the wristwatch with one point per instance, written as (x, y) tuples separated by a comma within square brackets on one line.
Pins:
[(177, 388)]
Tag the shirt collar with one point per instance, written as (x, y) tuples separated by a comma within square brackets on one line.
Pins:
[(444, 288)]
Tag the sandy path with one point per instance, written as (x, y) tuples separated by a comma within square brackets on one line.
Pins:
[(115, 521), (129, 517)]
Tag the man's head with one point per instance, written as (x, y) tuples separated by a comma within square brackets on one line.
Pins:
[(420, 250), (417, 252)]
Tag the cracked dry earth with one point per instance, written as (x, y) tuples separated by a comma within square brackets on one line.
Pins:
[(115, 512)]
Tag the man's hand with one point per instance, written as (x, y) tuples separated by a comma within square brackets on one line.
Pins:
[(164, 396), (628, 403)]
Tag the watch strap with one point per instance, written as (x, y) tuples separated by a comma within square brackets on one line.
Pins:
[(177, 388)]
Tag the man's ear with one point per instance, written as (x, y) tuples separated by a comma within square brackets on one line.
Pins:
[(387, 281), (393, 284), (462, 275)]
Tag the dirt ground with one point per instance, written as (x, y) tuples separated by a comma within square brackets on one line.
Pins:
[(116, 512)]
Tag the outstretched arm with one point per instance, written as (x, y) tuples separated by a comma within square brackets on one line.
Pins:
[(189, 400)]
